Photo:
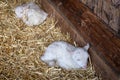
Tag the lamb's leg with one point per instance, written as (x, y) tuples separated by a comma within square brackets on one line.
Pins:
[(62, 64), (51, 63), (49, 59)]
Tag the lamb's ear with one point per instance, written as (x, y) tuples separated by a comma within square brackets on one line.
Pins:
[(87, 46)]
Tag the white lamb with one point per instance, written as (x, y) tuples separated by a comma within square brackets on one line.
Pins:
[(31, 14), (66, 56)]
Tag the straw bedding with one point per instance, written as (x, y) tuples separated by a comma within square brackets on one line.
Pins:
[(21, 47)]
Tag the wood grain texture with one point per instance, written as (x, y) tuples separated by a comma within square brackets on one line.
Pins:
[(83, 26), (107, 10)]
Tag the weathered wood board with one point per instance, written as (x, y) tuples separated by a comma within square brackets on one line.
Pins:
[(107, 10), (78, 20)]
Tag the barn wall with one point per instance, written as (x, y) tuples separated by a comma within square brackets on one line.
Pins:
[(107, 10)]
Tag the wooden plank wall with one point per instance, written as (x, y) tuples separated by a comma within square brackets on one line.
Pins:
[(83, 26), (107, 10)]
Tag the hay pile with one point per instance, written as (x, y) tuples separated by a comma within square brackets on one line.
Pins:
[(21, 46)]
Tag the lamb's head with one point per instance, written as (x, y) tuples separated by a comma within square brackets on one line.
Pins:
[(80, 56)]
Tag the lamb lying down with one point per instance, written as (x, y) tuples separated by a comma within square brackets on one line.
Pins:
[(66, 56), (31, 14)]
